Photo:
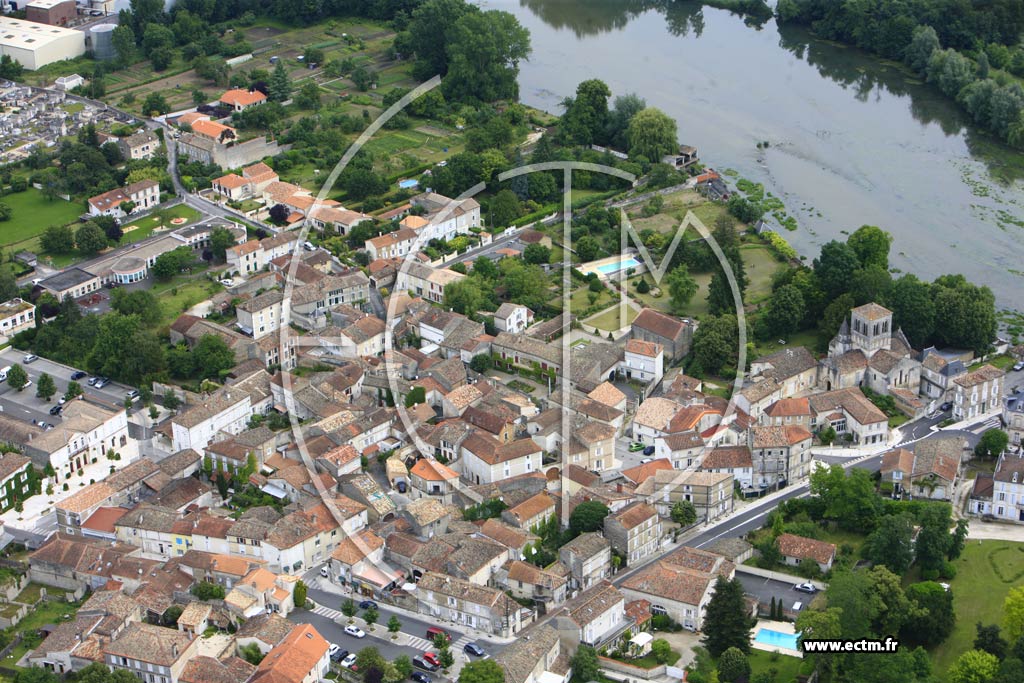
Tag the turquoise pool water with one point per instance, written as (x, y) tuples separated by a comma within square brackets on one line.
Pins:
[(408, 183), (616, 266), (766, 636)]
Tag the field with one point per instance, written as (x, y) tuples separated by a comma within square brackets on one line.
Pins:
[(609, 320), (181, 293), (33, 213), (787, 667), (986, 572)]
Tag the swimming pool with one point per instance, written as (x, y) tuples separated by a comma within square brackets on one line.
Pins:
[(616, 266), (766, 636), (408, 183)]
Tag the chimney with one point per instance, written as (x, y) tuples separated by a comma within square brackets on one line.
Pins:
[(618, 488), (174, 649)]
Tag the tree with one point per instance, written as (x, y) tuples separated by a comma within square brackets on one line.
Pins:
[(45, 387), (279, 214), (404, 665), (90, 239), (1013, 614), (123, 39), (923, 42), (221, 240), (871, 244), (140, 302), (369, 658), (989, 639), (484, 50), (489, 671), (973, 666), (6, 212), (394, 625), (835, 267), (588, 516), (313, 55), (891, 544), (825, 625), (959, 539), (623, 110), (57, 239), (950, 71), (280, 86), (481, 363), (537, 254), (170, 615), (348, 608), (74, 391), (8, 284), (155, 104), (651, 133), (17, 378), (370, 616), (853, 593), (587, 248), (299, 596), (504, 208), (727, 623), (967, 313), (360, 183), (681, 288), (661, 650), (586, 116), (415, 396), (992, 444), (309, 96), (933, 540), (212, 356), (446, 658), (585, 667), (785, 312), (913, 309), (207, 590), (683, 513), (251, 653), (733, 666)]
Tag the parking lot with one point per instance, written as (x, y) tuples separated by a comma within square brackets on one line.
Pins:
[(24, 404), (764, 589)]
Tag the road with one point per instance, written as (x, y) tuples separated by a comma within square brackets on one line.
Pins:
[(323, 618), (25, 406)]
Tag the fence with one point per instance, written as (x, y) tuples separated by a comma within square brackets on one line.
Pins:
[(777, 576), (631, 671)]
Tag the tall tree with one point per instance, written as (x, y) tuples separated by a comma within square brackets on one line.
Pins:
[(586, 115), (727, 622), (652, 134), (871, 244), (924, 41), (933, 618), (681, 288), (967, 312), (45, 387), (933, 540), (484, 52), (990, 639), (913, 309), (835, 267), (1013, 613), (891, 544), (280, 86), (974, 666), (587, 516), (785, 311), (483, 671)]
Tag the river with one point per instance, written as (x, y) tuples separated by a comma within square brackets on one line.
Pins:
[(852, 140)]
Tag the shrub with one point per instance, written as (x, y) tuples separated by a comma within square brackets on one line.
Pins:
[(929, 574), (948, 570)]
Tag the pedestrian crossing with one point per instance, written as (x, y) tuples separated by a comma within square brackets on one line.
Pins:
[(327, 612), (991, 423)]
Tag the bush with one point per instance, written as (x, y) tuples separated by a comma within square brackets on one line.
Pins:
[(948, 570), (929, 574)]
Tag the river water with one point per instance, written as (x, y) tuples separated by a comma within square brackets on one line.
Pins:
[(852, 140)]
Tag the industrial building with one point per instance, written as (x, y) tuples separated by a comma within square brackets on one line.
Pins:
[(36, 45), (51, 12)]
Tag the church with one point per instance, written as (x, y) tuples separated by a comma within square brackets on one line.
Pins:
[(868, 351)]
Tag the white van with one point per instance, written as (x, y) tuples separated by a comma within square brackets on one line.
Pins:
[(3, 373)]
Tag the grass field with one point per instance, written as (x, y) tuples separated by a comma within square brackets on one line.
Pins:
[(986, 571), (787, 668), (181, 294), (760, 264), (143, 227), (610, 319), (32, 214), (806, 338)]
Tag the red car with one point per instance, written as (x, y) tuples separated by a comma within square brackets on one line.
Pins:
[(432, 658)]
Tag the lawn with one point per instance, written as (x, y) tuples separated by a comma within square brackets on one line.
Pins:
[(32, 214), (760, 265), (180, 294), (143, 227), (806, 338), (985, 573), (610, 319), (1003, 362), (788, 668), (48, 612)]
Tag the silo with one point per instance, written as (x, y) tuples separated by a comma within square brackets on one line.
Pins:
[(102, 41)]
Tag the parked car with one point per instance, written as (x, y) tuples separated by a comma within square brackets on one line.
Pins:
[(77, 375), (61, 401), (55, 410), (132, 395), (367, 604), (646, 460), (323, 571), (420, 677), (30, 358), (332, 649), (421, 663), (1018, 366), (635, 446), (649, 450), (948, 405), (101, 382), (93, 380), (473, 649), (988, 517), (349, 662), (228, 282), (402, 487), (434, 631), (805, 587), (338, 654), (432, 658), (355, 631)]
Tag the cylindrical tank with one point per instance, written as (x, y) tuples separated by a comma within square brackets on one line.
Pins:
[(102, 41)]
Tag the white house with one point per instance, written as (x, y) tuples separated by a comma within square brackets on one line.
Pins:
[(514, 318), (144, 194), (643, 361), (486, 461), (977, 392), (16, 315), (228, 411)]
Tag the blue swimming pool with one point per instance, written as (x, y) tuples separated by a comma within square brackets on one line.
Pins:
[(616, 266), (408, 183), (766, 636)]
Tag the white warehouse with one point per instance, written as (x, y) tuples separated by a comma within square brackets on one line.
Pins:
[(36, 45)]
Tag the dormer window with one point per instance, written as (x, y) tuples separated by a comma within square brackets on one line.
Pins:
[(1014, 477)]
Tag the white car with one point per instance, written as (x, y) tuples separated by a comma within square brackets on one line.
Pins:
[(806, 587), (355, 631), (323, 571), (30, 358), (227, 282), (332, 649), (349, 661)]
